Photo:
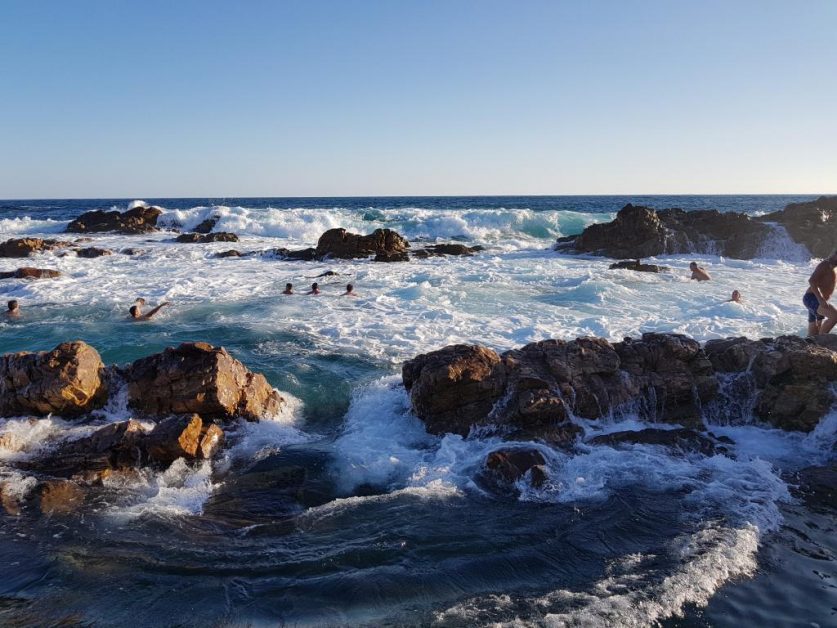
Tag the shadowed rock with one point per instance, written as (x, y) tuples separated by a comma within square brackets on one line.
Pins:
[(60, 497), (818, 486), (681, 439), (67, 381), (230, 253), (31, 273), (134, 221), (206, 226), (813, 224), (199, 238), (507, 466), (638, 266), (93, 251), (24, 247), (339, 243)]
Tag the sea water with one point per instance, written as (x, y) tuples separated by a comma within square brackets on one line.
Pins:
[(391, 526)]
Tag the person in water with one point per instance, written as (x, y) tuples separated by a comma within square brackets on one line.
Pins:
[(350, 291), (136, 310), (736, 297), (289, 288), (822, 316), (315, 288), (14, 309), (698, 273)]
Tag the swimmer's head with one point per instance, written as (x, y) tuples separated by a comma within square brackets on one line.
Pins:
[(134, 311), (349, 288), (14, 306)]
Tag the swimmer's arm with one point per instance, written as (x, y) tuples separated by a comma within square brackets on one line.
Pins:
[(156, 309)]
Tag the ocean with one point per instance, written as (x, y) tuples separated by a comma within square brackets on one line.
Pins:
[(391, 527)]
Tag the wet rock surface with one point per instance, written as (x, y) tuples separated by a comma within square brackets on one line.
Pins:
[(93, 251), (28, 272), (201, 238), (818, 486), (342, 244), (507, 466), (24, 247), (134, 221), (638, 266), (680, 439)]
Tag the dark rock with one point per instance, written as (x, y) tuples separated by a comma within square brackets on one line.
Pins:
[(24, 247), (681, 439), (198, 238), (507, 466), (392, 257), (638, 266), (132, 251), (133, 221), (67, 381), (31, 273), (303, 255), (230, 253), (818, 486), (92, 251), (813, 224), (197, 378), (206, 226), (339, 243)]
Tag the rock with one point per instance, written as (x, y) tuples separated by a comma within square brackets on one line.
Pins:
[(31, 273), (392, 257), (212, 439), (24, 247), (134, 221), (197, 378), (682, 439), (638, 266), (60, 497), (197, 238), (303, 255), (132, 251), (93, 251), (507, 466), (638, 232), (818, 486), (813, 224), (66, 381), (10, 499), (173, 438), (230, 253), (339, 243), (452, 249), (114, 446), (206, 226)]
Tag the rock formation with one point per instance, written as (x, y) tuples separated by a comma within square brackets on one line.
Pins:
[(92, 251), (31, 273), (199, 238), (339, 243), (638, 266), (134, 221), (24, 247), (507, 466), (813, 224)]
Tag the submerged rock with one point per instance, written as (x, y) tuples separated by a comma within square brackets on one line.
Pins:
[(507, 466), (230, 253), (199, 238), (31, 273), (134, 221), (401, 256), (24, 247), (197, 378), (93, 251), (303, 255), (638, 266), (60, 497), (681, 439), (68, 381), (818, 486)]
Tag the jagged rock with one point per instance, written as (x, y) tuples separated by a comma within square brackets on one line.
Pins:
[(93, 251), (392, 257), (638, 266), (813, 224), (198, 238), (212, 439), (31, 273), (682, 439), (197, 378), (638, 232), (173, 438), (24, 247), (206, 226), (60, 497), (133, 221), (507, 466), (114, 446), (303, 255), (230, 253), (67, 381), (339, 243), (791, 376)]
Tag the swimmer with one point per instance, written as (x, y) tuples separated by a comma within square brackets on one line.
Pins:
[(136, 310), (315, 288), (350, 291), (736, 297), (14, 309), (698, 273), (289, 288)]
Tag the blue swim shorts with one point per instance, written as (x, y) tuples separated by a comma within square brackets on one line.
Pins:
[(811, 303)]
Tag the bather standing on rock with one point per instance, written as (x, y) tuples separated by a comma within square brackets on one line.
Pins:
[(14, 309), (136, 310), (698, 273), (822, 316)]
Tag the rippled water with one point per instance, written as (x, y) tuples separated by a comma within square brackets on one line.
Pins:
[(392, 525)]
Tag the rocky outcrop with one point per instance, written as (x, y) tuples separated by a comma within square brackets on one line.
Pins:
[(790, 376), (638, 232), (507, 466), (92, 251), (638, 266), (678, 439), (443, 250), (402, 256), (813, 224), (199, 238), (31, 273), (67, 381), (24, 247), (206, 226), (197, 378), (230, 253), (339, 243), (134, 221), (532, 392), (302, 255)]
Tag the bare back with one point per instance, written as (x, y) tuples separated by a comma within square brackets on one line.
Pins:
[(824, 278)]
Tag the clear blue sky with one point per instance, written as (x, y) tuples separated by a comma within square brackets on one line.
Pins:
[(118, 98)]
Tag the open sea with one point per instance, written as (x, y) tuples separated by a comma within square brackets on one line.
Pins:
[(391, 528)]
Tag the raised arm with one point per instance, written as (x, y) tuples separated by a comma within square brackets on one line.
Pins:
[(156, 309)]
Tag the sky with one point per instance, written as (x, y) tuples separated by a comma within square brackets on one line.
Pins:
[(126, 99)]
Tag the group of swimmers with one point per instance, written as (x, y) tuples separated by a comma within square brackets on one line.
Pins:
[(700, 274), (315, 290)]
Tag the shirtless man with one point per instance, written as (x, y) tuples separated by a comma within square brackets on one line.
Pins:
[(289, 288), (698, 273), (736, 297), (350, 291), (14, 309), (136, 310), (822, 316), (315, 288)]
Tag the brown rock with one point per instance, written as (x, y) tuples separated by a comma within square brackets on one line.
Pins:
[(198, 238), (66, 381), (133, 221), (93, 251), (173, 438), (510, 465), (114, 446), (30, 273), (339, 243), (60, 497), (230, 253), (212, 439), (197, 378), (401, 256), (24, 247)]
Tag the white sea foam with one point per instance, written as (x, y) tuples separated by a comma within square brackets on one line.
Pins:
[(24, 225)]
